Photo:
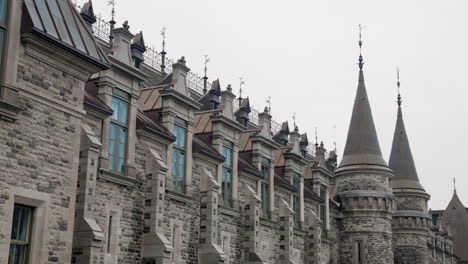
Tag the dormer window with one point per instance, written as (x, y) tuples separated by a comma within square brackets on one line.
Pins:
[(118, 130), (178, 154), (227, 173)]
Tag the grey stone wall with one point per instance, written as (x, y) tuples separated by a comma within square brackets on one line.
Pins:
[(39, 154)]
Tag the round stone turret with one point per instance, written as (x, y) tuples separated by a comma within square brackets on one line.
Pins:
[(411, 221), (363, 189)]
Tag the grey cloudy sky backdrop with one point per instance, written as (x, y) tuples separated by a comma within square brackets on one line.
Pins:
[(304, 53)]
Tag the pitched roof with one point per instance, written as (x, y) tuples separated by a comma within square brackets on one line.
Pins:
[(401, 160), (202, 144), (91, 99), (59, 22), (362, 144), (245, 164), (144, 121), (456, 216)]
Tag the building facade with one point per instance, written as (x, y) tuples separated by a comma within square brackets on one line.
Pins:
[(111, 153)]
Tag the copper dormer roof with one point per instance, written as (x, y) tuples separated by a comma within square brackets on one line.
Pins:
[(60, 23)]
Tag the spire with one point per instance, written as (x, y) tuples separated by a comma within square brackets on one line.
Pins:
[(205, 78), (241, 82), (401, 160), (454, 185), (362, 144), (112, 22), (163, 52)]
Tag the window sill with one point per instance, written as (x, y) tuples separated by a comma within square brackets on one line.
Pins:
[(229, 211), (178, 196), (268, 222), (8, 111), (117, 178)]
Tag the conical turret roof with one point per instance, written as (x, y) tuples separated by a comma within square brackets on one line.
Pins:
[(455, 218), (362, 144), (401, 160)]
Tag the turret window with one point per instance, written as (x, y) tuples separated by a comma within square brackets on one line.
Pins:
[(227, 173), (118, 130), (178, 154)]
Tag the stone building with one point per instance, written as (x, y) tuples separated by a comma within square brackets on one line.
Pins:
[(112, 153)]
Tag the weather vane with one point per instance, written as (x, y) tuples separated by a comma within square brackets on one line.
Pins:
[(361, 63), (454, 185), (112, 3), (398, 85), (242, 82), (316, 136), (207, 59), (268, 101), (294, 119), (163, 34)]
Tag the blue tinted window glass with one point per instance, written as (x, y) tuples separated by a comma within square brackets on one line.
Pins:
[(3, 8), (227, 153), (46, 18), (179, 132), (120, 109), (174, 166)]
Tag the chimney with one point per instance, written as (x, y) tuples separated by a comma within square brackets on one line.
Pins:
[(214, 94), (320, 154), (264, 121), (294, 139), (121, 47), (138, 49), (242, 115), (179, 76), (87, 13), (282, 136), (227, 99), (303, 143)]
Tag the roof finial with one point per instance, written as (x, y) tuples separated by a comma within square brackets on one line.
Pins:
[(112, 22), (316, 136), (294, 119), (454, 185), (398, 85), (334, 136), (241, 82), (268, 101), (361, 63), (163, 52), (205, 78)]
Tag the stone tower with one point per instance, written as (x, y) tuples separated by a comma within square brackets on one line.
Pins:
[(363, 188), (411, 219)]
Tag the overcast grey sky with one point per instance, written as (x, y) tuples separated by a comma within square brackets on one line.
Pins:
[(303, 54)]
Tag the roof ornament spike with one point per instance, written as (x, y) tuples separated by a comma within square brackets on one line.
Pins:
[(205, 78), (241, 82), (111, 22), (454, 185), (294, 119), (268, 102), (361, 61), (398, 86), (316, 137), (163, 52)]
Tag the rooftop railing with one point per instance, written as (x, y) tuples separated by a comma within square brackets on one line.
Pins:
[(153, 59)]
